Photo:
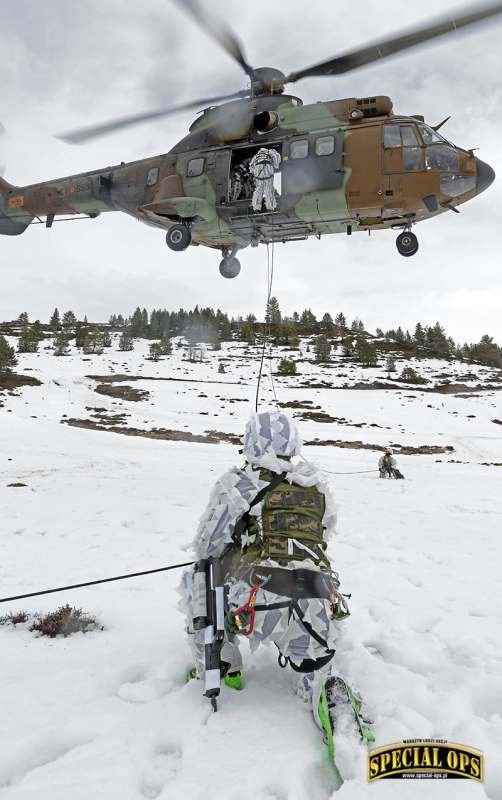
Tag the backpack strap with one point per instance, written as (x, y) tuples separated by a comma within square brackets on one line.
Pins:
[(241, 524)]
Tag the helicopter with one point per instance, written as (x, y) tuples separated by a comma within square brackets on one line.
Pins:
[(339, 166)]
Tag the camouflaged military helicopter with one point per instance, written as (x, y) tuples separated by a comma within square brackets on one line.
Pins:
[(345, 165)]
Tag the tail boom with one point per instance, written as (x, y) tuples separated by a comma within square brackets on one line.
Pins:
[(14, 218)]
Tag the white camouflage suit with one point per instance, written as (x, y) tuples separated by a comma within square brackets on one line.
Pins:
[(263, 167), (268, 437)]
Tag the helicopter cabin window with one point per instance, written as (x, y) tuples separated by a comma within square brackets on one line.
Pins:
[(325, 146), (152, 176), (412, 152), (392, 136), (195, 167), (299, 149)]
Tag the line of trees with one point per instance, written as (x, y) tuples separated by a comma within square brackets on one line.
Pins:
[(206, 326)]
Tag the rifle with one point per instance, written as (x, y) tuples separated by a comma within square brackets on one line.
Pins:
[(209, 600)]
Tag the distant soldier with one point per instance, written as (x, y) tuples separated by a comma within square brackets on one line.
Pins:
[(263, 167), (388, 467)]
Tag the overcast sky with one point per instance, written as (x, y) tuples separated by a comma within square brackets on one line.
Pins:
[(66, 65)]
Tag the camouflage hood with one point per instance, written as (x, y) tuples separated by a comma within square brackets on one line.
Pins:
[(270, 440)]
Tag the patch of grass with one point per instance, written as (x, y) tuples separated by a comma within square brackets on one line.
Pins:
[(64, 621)]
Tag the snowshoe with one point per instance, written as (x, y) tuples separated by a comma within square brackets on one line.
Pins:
[(337, 699)]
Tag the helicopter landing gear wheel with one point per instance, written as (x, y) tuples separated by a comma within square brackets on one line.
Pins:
[(230, 267), (178, 238), (407, 244)]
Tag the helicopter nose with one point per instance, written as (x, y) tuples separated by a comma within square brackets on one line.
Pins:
[(485, 176)]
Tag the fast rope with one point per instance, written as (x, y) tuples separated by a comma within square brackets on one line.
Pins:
[(94, 583), (271, 347), (270, 280)]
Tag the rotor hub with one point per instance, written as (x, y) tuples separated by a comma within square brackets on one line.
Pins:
[(267, 80)]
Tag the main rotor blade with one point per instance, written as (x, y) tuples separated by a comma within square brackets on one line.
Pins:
[(219, 31), (388, 47), (82, 135)]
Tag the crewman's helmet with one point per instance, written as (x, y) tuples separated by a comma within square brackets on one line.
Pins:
[(270, 433)]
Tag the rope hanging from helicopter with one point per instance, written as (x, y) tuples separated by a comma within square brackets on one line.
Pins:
[(267, 333)]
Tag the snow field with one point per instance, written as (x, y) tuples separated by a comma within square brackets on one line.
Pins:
[(108, 715)]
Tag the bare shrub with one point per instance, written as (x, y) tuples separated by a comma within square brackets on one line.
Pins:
[(64, 621)]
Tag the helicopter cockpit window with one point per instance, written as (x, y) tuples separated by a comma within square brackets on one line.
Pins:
[(430, 136), (152, 176), (455, 185), (392, 136), (299, 149), (195, 167), (442, 157), (325, 146)]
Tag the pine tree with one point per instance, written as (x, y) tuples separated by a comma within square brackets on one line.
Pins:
[(485, 352), (28, 343), (214, 339), (37, 330), (340, 324), (155, 350), (322, 349), (272, 312), (409, 375), (166, 346), (61, 346), (69, 320), (126, 342), (93, 343), (287, 366), (399, 336), (137, 327), (106, 339), (379, 333), (55, 322), (81, 332), (308, 319), (390, 364), (23, 318), (419, 336), (248, 333), (365, 352), (8, 358), (327, 325)]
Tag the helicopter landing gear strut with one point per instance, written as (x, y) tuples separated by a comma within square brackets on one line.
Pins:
[(407, 243), (230, 266), (178, 237)]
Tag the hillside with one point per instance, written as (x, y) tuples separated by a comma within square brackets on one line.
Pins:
[(116, 455)]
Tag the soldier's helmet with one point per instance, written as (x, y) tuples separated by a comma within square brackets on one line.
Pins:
[(270, 433)]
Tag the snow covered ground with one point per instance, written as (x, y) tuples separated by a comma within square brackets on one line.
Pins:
[(108, 715)]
